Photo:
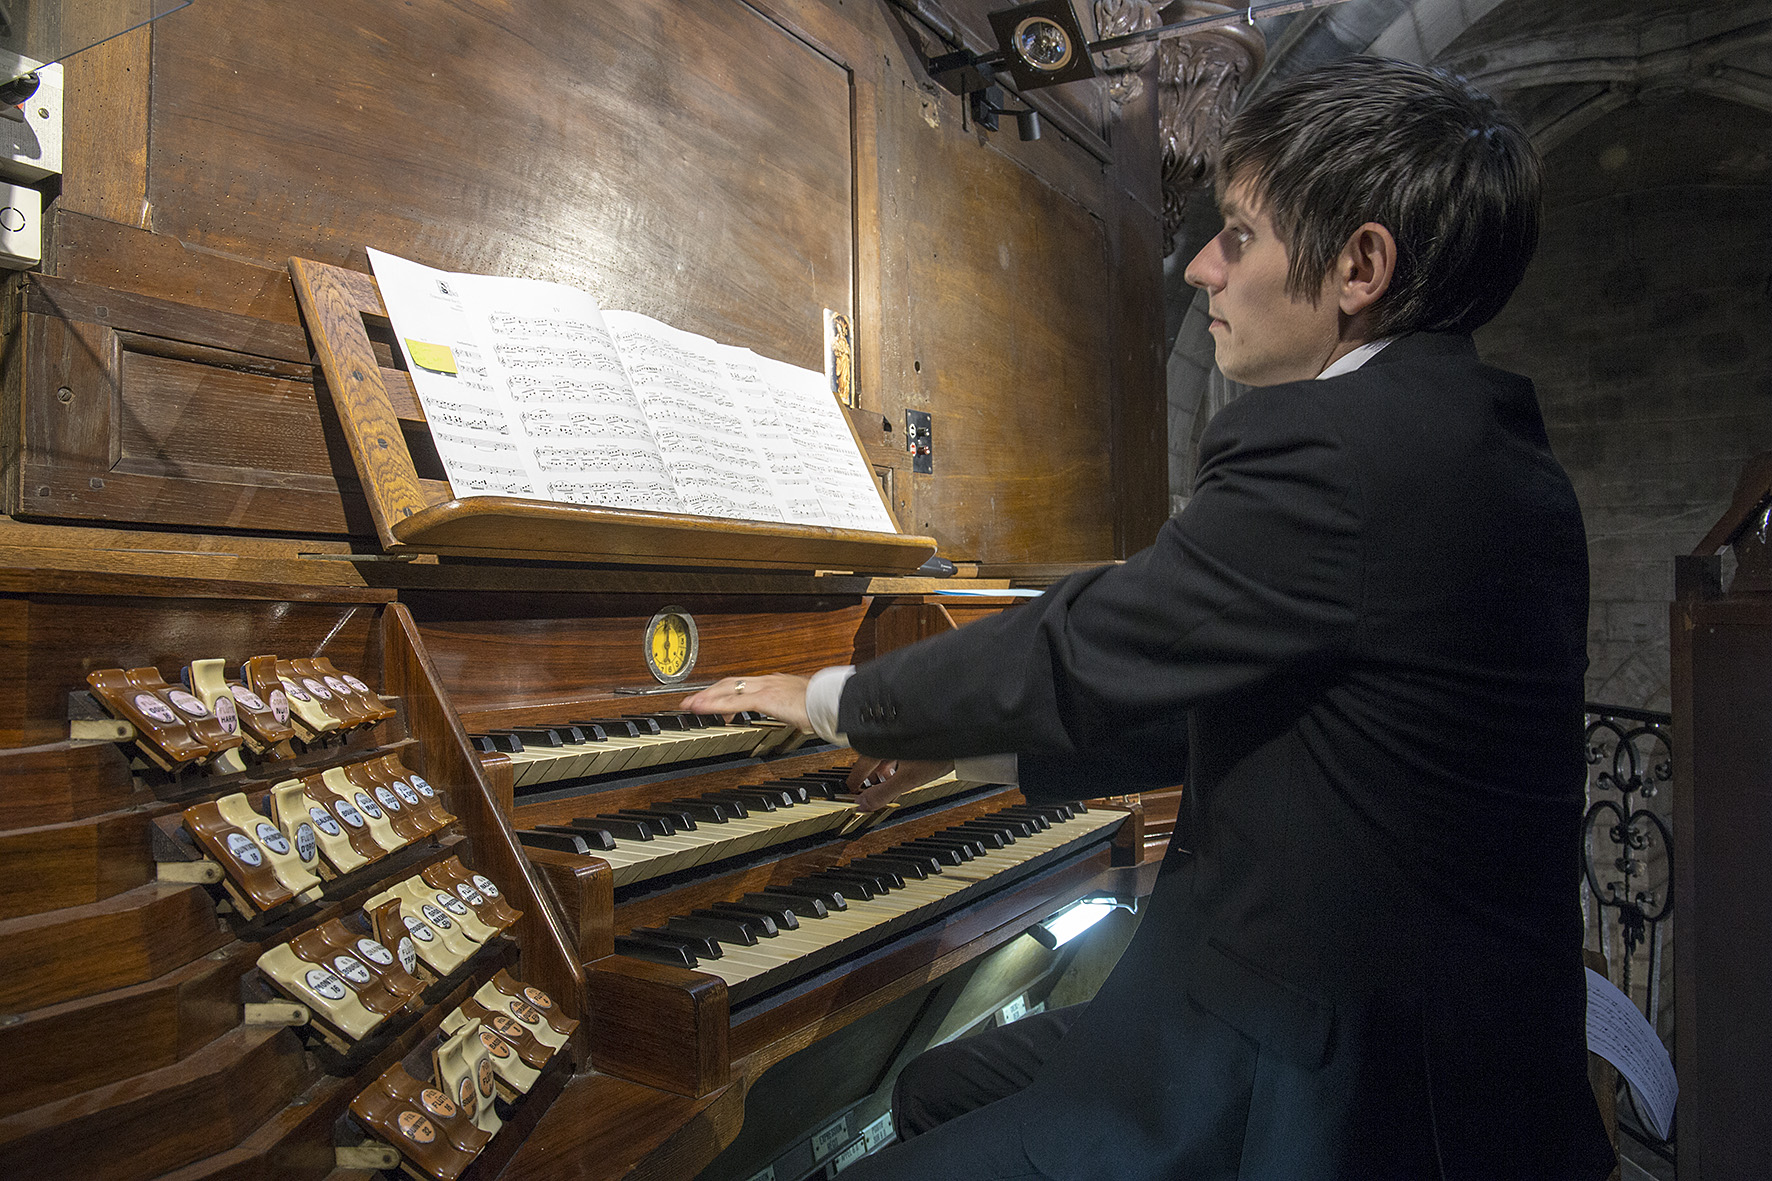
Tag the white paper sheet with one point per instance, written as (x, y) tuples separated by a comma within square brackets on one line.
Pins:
[(1621, 1035), (825, 447), (540, 405), (719, 468), (532, 390)]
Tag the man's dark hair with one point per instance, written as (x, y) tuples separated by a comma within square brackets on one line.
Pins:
[(1420, 152)]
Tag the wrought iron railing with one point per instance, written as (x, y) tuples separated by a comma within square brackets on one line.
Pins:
[(1627, 846)]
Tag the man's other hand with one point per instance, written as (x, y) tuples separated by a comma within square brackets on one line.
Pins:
[(880, 781), (779, 695)]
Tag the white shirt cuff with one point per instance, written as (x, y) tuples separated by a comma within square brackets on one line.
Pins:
[(1004, 769), (824, 695)]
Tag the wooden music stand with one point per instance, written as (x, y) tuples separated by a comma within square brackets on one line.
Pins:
[(425, 516)]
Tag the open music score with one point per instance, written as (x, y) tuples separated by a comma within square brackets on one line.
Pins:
[(531, 390)]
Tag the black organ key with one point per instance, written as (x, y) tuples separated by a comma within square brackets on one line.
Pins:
[(624, 827), (827, 895), (804, 905), (991, 837), (726, 930), (559, 842), (763, 925), (946, 854), (682, 819), (749, 717), (878, 882), (776, 908), (612, 727), (711, 811), (756, 800), (657, 825), (781, 797), (928, 862), (544, 737), (644, 724), (505, 742), (850, 887), (1022, 812), (1009, 824), (699, 946), (973, 842), (892, 876), (594, 835), (590, 731), (654, 951), (797, 793), (904, 867)]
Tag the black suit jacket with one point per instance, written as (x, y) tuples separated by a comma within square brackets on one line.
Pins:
[(1362, 647)]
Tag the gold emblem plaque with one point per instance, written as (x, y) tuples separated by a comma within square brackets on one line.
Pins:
[(671, 645)]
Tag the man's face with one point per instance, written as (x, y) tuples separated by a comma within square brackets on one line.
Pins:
[(1262, 334)]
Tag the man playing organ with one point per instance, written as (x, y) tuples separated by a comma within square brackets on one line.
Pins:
[(1368, 622)]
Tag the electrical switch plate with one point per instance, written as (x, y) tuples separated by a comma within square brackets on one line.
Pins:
[(919, 441), (21, 227)]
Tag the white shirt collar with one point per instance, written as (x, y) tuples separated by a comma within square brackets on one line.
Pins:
[(1355, 359)]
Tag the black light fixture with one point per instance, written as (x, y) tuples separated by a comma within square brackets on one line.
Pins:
[(987, 105), (1042, 43)]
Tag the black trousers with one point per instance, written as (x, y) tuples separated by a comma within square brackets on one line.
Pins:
[(947, 1082), (953, 1087)]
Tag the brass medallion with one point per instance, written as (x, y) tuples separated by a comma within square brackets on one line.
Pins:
[(671, 645)]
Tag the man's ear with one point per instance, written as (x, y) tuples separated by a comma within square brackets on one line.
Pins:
[(1365, 268)]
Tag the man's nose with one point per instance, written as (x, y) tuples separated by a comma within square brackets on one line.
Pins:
[(1207, 269)]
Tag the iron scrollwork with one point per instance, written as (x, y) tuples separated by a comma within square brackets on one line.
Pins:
[(1626, 845)]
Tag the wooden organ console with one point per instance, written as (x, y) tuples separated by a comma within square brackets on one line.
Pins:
[(671, 918), (150, 954)]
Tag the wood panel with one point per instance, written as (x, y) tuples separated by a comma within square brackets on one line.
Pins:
[(143, 410), (125, 940), (690, 161), (1022, 428), (138, 1129), (729, 168), (73, 864), (525, 653), (69, 1048)]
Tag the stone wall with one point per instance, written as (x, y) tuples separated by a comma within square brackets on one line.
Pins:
[(1646, 321)]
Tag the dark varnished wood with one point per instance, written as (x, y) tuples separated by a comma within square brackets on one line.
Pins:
[(878, 200), (139, 1128), (166, 624), (59, 781), (65, 1049), (123, 940), (1720, 643), (334, 316), (658, 1025), (584, 888), (606, 1127), (502, 655), (61, 865)]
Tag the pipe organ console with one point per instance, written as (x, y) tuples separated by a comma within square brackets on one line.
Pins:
[(326, 856), (474, 916)]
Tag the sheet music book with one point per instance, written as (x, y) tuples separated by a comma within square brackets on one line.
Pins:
[(1621, 1035), (532, 390)]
